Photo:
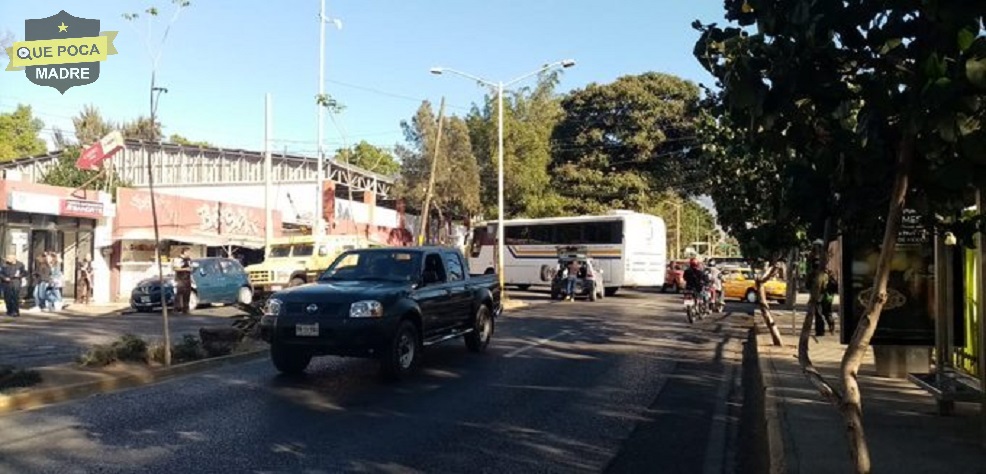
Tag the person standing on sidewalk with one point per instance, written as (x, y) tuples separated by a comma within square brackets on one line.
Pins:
[(830, 288), (183, 281), (55, 301), (12, 274), (84, 280), (42, 278)]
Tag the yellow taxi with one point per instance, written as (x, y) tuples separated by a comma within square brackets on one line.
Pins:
[(739, 284)]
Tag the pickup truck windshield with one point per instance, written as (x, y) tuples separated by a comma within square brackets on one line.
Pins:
[(369, 264)]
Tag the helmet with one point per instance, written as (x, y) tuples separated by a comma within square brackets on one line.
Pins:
[(693, 262)]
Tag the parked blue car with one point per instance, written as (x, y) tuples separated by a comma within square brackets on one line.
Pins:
[(214, 280)]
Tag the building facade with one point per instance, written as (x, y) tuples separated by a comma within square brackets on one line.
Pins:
[(75, 224)]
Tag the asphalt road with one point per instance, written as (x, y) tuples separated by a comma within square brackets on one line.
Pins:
[(39, 339), (622, 385)]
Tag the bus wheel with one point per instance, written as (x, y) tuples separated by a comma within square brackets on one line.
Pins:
[(610, 291), (489, 271)]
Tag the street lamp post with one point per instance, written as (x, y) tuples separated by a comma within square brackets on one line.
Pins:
[(500, 86)]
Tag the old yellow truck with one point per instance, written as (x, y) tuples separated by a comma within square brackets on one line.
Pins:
[(296, 260)]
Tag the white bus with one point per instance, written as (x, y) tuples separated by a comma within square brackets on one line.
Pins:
[(629, 247)]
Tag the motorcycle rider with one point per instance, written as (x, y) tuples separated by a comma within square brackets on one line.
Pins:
[(695, 279)]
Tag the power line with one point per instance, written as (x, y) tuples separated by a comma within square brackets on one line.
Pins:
[(391, 94)]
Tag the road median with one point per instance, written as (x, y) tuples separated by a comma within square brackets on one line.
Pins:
[(65, 382)]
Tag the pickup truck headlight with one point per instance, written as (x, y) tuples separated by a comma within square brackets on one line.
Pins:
[(366, 309), (273, 307)]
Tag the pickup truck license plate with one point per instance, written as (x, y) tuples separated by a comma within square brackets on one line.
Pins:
[(306, 330), (276, 288), (145, 299)]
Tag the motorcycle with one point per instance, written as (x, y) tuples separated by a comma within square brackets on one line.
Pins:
[(696, 308), (691, 308)]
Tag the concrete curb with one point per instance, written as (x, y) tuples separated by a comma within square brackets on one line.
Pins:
[(32, 399), (772, 410)]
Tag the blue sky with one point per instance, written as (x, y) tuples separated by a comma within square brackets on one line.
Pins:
[(222, 57)]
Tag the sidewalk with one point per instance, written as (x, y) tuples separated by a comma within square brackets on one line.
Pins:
[(905, 433), (38, 339)]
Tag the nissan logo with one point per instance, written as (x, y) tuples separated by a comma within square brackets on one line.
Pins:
[(312, 308)]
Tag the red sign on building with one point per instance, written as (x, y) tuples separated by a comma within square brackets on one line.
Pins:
[(81, 208)]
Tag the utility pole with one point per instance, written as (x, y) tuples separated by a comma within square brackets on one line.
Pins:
[(431, 178), (677, 231), (268, 171), (157, 233), (318, 228)]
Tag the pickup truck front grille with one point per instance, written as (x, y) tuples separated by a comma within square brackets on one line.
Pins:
[(301, 309), (262, 276)]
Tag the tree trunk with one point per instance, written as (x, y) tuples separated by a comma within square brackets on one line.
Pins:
[(852, 407), (815, 291), (768, 318)]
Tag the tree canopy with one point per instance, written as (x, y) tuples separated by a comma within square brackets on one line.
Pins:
[(369, 157), (530, 116), (20, 134), (180, 140), (622, 144), (457, 175)]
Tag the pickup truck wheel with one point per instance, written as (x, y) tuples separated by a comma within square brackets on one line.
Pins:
[(296, 282), (403, 355), (289, 361), (594, 294), (479, 339)]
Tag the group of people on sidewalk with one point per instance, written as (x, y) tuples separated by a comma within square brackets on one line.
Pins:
[(47, 280)]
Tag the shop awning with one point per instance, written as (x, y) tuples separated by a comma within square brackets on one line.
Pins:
[(194, 239)]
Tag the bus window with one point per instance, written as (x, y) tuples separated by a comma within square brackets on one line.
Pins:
[(569, 234)]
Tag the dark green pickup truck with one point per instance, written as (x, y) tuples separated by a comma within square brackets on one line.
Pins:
[(383, 303)]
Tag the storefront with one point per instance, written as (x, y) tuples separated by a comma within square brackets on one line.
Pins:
[(204, 227), (36, 218)]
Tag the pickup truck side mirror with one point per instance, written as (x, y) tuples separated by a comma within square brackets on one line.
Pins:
[(429, 277)]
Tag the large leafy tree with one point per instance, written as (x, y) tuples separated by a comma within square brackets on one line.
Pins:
[(20, 134), (370, 158), (90, 126), (887, 99), (457, 174), (620, 145), (530, 116), (141, 128)]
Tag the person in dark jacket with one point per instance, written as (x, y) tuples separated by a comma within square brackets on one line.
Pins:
[(183, 281), (12, 274)]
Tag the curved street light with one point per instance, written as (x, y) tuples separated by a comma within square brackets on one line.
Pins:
[(499, 86)]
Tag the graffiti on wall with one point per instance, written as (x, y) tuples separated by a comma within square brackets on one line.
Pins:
[(229, 220)]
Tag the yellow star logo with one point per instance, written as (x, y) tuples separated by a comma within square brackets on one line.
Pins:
[(62, 27)]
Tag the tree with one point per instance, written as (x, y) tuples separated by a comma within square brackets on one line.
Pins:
[(142, 129), (90, 126), (66, 174), (180, 140), (458, 175), (369, 157), (885, 98), (6, 40), (530, 115), (621, 144), (20, 134), (152, 131)]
